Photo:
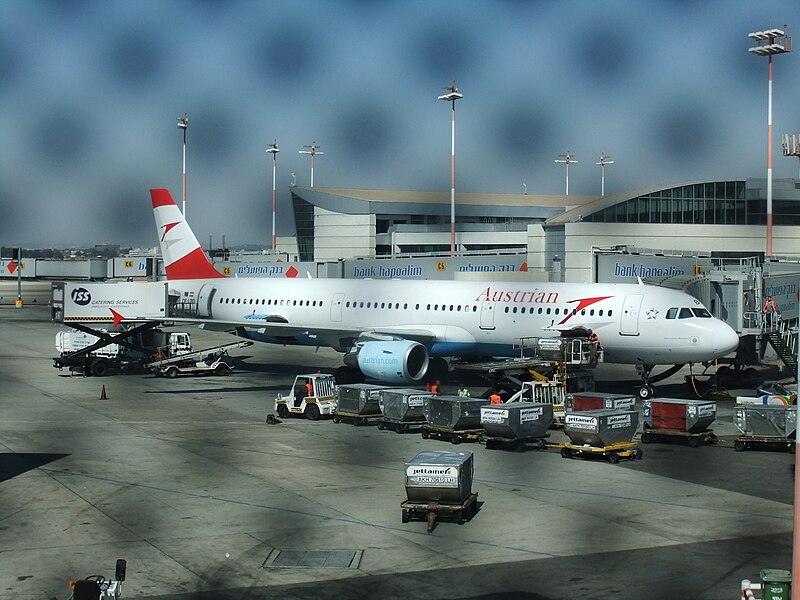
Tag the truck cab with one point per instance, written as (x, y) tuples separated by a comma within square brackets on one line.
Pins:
[(174, 343), (311, 396), (179, 343)]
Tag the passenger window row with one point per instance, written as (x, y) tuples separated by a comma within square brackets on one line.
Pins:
[(405, 306), (557, 311), (270, 302)]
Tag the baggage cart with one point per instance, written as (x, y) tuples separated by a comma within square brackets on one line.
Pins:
[(402, 409), (357, 403), (454, 412), (519, 443), (765, 421), (691, 416), (430, 511), (692, 438), (762, 442), (455, 436), (612, 453), (343, 416), (765, 427), (439, 484), (516, 425), (601, 428)]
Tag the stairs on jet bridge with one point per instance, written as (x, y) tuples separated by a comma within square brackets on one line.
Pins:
[(783, 340)]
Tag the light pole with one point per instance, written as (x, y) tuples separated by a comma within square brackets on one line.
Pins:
[(313, 150), (451, 96), (771, 41), (273, 149), (603, 162), (567, 159), (183, 123)]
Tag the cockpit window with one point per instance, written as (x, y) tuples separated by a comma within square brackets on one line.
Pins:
[(702, 313), (672, 313), (686, 313)]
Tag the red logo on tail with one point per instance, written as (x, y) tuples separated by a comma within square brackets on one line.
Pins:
[(167, 228)]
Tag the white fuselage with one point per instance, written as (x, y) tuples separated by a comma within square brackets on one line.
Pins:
[(475, 318)]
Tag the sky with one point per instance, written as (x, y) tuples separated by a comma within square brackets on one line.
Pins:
[(90, 92)]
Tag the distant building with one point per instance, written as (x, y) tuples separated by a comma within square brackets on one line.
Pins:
[(717, 217)]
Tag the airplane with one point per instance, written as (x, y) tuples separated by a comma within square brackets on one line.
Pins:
[(400, 331)]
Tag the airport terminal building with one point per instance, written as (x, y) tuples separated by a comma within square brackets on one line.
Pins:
[(717, 218)]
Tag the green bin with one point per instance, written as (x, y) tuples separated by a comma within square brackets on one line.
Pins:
[(777, 584)]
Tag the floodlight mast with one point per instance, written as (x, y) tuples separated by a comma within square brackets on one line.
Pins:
[(273, 149), (567, 159), (451, 96), (770, 41), (313, 150), (183, 123), (603, 162)]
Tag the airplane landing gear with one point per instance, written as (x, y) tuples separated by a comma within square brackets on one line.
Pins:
[(646, 391)]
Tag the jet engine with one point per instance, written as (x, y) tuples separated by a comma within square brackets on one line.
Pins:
[(397, 361)]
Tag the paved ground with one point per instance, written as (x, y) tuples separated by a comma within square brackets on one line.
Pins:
[(184, 479)]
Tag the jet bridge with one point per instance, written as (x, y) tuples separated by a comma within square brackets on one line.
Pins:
[(732, 288)]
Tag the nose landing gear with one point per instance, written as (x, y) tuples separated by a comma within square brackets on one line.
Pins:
[(645, 391)]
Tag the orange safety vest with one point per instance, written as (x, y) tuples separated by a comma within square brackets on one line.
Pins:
[(435, 388), (309, 389), (495, 399), (770, 304)]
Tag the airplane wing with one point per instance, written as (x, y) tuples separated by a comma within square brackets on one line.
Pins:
[(338, 337)]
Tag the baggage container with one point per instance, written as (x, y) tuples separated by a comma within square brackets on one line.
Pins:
[(403, 405), (359, 398), (454, 412), (601, 427), (434, 476), (578, 401), (766, 421), (517, 420), (691, 416)]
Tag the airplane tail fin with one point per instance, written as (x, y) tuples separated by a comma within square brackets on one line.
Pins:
[(183, 256)]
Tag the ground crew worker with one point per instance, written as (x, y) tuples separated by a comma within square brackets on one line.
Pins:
[(302, 391), (593, 337), (769, 310), (494, 398), (463, 392), (436, 386)]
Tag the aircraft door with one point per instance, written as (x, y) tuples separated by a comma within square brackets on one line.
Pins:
[(336, 307), (487, 314), (205, 298), (629, 320)]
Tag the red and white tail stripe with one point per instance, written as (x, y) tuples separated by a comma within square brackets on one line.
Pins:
[(183, 256)]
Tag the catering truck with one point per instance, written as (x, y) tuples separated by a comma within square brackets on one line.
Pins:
[(97, 354)]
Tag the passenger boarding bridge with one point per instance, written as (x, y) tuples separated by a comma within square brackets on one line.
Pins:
[(733, 289)]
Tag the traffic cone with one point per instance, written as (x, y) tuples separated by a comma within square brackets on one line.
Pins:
[(103, 395)]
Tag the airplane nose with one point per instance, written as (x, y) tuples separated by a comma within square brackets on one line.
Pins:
[(726, 340)]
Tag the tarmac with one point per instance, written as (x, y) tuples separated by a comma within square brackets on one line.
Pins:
[(184, 479)]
